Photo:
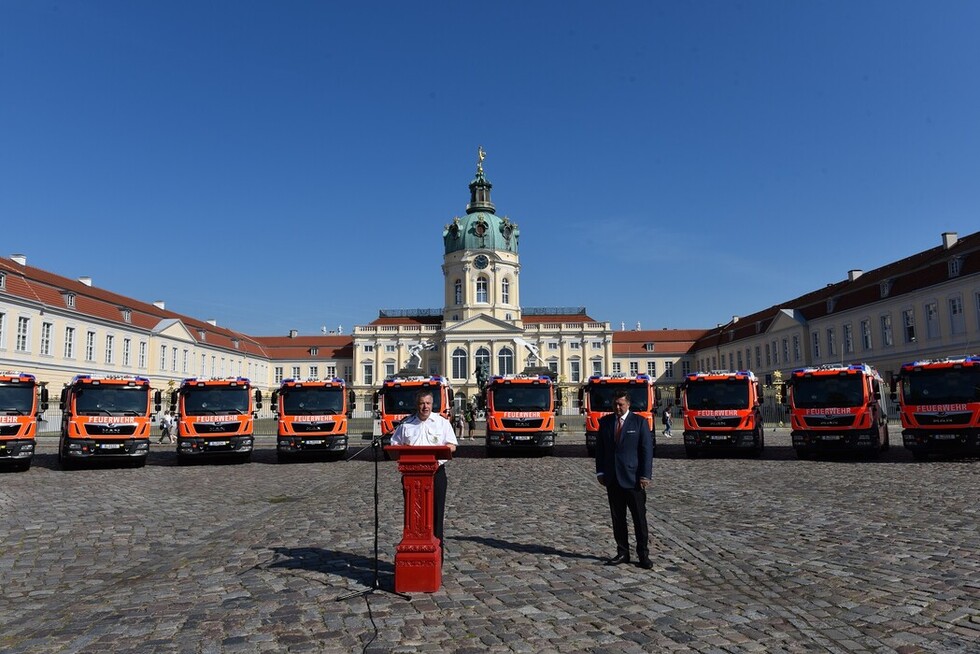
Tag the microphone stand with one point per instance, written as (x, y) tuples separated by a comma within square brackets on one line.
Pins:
[(376, 583)]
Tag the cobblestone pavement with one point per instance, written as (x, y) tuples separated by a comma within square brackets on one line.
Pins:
[(770, 554)]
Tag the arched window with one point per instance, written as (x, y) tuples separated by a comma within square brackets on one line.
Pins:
[(459, 364), (505, 361), (482, 357), (482, 294), (505, 291), (458, 292)]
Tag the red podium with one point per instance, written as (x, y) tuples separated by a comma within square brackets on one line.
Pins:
[(418, 557)]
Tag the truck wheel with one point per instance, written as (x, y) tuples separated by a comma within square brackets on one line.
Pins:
[(65, 462), (886, 445), (22, 466), (692, 452), (138, 462), (760, 445)]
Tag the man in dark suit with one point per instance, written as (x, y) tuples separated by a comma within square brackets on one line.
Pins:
[(624, 465)]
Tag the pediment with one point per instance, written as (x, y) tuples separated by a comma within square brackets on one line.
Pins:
[(483, 324), (175, 329), (786, 319)]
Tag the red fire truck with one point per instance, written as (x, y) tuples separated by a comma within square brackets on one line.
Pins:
[(22, 401), (722, 410), (521, 413), (106, 418), (596, 400), (215, 417), (396, 400), (836, 407), (312, 417), (940, 406)]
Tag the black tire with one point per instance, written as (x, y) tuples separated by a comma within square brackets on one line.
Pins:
[(23, 466), (691, 451), (887, 444), (760, 445)]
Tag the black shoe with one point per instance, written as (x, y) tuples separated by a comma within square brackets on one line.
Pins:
[(646, 563), (619, 558)]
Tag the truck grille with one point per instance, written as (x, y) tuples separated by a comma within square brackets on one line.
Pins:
[(829, 421), (216, 427), (303, 427), (933, 419), (9, 430), (110, 430), (708, 423), (514, 423)]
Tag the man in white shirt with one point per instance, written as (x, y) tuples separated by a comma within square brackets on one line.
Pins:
[(428, 428)]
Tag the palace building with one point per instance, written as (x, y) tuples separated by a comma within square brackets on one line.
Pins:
[(924, 306)]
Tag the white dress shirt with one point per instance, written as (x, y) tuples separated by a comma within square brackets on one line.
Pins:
[(434, 431)]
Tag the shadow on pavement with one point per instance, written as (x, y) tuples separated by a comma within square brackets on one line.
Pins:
[(355, 567), (535, 548)]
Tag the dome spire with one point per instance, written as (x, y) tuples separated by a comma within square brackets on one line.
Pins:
[(480, 187)]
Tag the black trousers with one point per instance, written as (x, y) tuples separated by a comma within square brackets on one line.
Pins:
[(634, 500), (439, 485)]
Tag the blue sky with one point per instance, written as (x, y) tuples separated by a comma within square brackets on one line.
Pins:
[(280, 166)]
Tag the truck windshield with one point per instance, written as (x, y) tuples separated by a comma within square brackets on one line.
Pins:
[(111, 400), (401, 399), (205, 401), (942, 386), (308, 400), (601, 397), (16, 399), (721, 394), (521, 397), (828, 392)]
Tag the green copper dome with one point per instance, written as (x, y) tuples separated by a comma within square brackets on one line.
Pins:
[(480, 228)]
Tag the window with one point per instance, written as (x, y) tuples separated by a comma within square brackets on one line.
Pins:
[(46, 328), (932, 320), (652, 369), (110, 343), (3, 280), (127, 352), (649, 347), (739, 362), (390, 369), (278, 374), (669, 369), (23, 332), (597, 366), (848, 339), (314, 372), (955, 265), (459, 364), (796, 347), (596, 345), (69, 342), (685, 368), (785, 351), (313, 350), (185, 363), (348, 372), (458, 292), (141, 355), (768, 356), (866, 334), (575, 371), (296, 372), (887, 340), (553, 367), (758, 356), (617, 368), (391, 348), (369, 373), (908, 325), (3, 326), (330, 371), (816, 344), (957, 321), (482, 290), (575, 345), (163, 358), (368, 347), (173, 361), (127, 315), (214, 365), (482, 358), (70, 300), (634, 368), (204, 364), (505, 291), (831, 342), (505, 361), (731, 361), (553, 346)]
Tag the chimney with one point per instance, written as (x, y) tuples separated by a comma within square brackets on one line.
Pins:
[(949, 240), (161, 305), (19, 258), (854, 274), (85, 280), (293, 333), (212, 322), (734, 319)]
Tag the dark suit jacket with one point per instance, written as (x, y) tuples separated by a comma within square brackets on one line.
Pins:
[(624, 464)]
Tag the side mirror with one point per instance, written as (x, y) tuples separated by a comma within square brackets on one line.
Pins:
[(677, 393), (274, 400), (61, 402), (157, 400), (173, 399), (258, 399)]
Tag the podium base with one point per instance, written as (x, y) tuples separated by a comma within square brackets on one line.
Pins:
[(418, 572)]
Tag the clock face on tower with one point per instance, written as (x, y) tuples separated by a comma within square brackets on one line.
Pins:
[(481, 261)]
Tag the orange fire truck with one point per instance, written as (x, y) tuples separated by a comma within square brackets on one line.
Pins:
[(22, 400), (312, 416), (215, 417), (106, 418), (940, 406), (395, 401), (520, 413), (722, 410), (836, 407), (596, 400)]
